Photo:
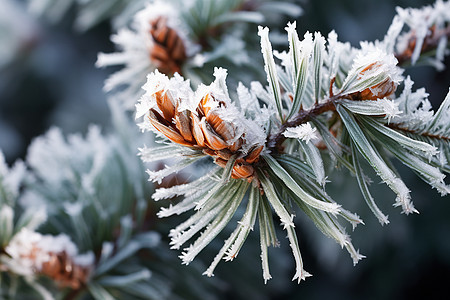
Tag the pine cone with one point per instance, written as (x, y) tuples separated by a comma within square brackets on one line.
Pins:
[(168, 52), (204, 129), (379, 91), (61, 268)]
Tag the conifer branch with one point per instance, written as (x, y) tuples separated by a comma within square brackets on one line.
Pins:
[(261, 146), (430, 43), (275, 140), (424, 134)]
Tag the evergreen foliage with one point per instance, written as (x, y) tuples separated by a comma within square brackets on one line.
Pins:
[(78, 216)]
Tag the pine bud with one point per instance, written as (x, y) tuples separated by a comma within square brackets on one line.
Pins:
[(53, 256), (381, 90), (374, 75), (64, 271), (168, 52), (204, 129)]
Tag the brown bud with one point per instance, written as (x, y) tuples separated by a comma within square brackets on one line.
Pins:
[(381, 90), (205, 130), (168, 52), (62, 269), (385, 89)]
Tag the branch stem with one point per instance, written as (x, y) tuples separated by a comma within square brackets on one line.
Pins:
[(430, 43), (275, 140), (424, 134)]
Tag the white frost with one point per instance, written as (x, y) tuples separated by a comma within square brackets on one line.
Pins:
[(304, 132)]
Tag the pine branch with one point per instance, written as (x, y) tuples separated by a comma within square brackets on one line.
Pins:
[(275, 140), (430, 43), (424, 134), (264, 151), (361, 85)]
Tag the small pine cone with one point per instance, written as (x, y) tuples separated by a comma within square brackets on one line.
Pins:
[(205, 130), (168, 52), (61, 268), (378, 91)]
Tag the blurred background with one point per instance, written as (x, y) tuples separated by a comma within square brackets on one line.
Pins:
[(48, 78)]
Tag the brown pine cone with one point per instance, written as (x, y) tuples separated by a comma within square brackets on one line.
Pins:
[(204, 129), (61, 268), (168, 52), (378, 91)]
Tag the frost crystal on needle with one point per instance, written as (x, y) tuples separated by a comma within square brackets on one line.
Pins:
[(304, 132)]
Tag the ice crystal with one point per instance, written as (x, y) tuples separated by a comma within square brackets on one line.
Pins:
[(304, 132)]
